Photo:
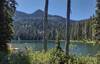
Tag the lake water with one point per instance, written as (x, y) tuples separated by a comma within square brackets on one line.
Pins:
[(75, 48)]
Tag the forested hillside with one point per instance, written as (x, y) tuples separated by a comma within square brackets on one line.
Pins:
[(30, 26)]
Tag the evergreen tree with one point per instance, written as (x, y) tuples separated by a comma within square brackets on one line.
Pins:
[(97, 35), (7, 9), (79, 31), (58, 34)]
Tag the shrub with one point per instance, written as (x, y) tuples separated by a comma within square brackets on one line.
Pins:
[(52, 56)]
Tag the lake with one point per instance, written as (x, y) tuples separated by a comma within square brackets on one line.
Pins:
[(76, 48)]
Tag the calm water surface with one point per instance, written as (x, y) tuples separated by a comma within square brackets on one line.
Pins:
[(75, 48)]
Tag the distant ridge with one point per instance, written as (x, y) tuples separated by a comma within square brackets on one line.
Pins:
[(38, 13), (30, 26)]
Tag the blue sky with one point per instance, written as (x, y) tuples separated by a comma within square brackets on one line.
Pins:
[(80, 9)]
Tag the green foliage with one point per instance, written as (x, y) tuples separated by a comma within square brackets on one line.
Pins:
[(57, 56), (1, 56), (7, 10), (58, 38), (53, 56), (97, 34), (85, 60), (21, 57)]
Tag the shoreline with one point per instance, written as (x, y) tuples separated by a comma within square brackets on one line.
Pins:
[(72, 41)]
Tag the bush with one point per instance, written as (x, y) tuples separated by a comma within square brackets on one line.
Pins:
[(29, 57), (1, 57), (21, 57), (86, 60), (53, 56)]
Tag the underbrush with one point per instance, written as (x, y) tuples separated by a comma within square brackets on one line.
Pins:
[(53, 56)]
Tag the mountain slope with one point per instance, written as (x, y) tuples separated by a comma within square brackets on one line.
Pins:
[(30, 26)]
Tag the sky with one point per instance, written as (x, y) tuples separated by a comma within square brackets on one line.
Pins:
[(80, 9)]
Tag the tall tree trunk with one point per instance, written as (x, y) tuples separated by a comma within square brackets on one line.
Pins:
[(67, 42), (45, 25)]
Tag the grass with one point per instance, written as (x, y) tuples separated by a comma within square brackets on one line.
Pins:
[(52, 56)]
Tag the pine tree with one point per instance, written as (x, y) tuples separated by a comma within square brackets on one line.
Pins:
[(97, 34), (58, 34), (7, 9)]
